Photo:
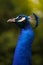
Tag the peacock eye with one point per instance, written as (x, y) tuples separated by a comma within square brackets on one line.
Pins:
[(20, 17)]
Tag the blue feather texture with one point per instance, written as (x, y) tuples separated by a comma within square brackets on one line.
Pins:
[(23, 51)]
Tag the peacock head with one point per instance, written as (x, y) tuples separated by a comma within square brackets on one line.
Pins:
[(22, 20)]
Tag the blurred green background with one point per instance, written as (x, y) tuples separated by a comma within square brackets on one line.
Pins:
[(9, 31)]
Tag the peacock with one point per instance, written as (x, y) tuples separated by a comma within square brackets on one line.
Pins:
[(23, 51)]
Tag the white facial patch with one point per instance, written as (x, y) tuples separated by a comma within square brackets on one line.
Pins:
[(29, 17), (22, 19)]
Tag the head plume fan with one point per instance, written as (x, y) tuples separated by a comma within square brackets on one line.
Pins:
[(37, 20)]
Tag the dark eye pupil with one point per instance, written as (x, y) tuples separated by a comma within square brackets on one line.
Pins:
[(20, 17)]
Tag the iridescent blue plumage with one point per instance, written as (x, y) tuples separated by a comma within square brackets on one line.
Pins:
[(23, 51)]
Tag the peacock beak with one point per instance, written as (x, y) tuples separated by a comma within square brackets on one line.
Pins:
[(11, 20)]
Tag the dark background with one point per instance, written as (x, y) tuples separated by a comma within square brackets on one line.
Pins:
[(9, 31)]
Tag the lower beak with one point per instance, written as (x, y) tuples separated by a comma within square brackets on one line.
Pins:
[(11, 20)]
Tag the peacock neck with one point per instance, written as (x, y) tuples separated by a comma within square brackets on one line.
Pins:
[(23, 50)]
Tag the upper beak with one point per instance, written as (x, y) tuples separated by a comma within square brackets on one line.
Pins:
[(11, 20)]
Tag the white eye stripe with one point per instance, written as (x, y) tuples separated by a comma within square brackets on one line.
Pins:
[(22, 19), (29, 17)]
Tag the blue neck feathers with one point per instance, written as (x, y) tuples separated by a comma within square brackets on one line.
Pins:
[(23, 52)]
